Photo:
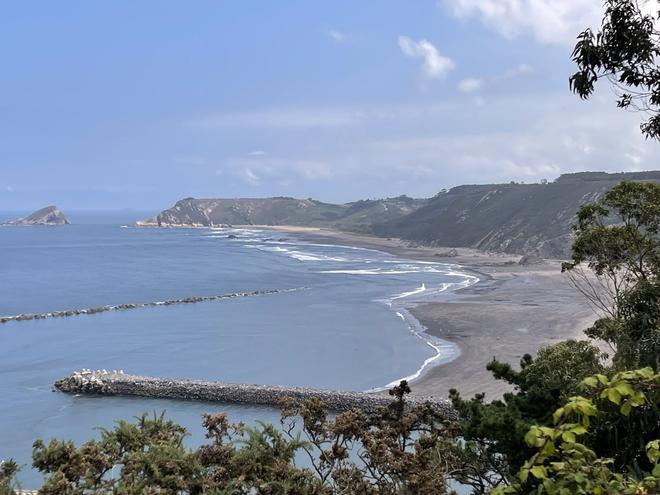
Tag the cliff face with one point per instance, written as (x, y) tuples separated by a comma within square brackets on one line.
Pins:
[(512, 218), (50, 215)]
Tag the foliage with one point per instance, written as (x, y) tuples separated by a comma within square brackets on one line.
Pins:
[(625, 52), (615, 262), (617, 239), (398, 450), (149, 454), (563, 465), (8, 471), (401, 449), (494, 432)]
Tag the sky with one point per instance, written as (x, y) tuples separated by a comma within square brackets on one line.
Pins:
[(137, 103)]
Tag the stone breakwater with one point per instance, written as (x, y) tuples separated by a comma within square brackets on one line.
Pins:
[(102, 382), (125, 307)]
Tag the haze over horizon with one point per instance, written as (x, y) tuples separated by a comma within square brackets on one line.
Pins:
[(114, 106)]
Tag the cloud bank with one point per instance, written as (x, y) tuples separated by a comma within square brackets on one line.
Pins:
[(548, 21)]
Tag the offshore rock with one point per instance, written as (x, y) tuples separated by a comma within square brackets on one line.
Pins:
[(50, 215)]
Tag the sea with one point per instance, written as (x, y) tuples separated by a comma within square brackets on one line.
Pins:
[(340, 322)]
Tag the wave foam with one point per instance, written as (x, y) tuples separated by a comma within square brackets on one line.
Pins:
[(403, 269), (418, 290)]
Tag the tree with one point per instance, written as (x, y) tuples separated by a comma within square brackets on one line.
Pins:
[(8, 471), (398, 450), (563, 465), (401, 449), (617, 241), (149, 455), (495, 431), (624, 51)]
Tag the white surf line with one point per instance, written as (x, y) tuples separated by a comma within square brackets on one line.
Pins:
[(423, 335), (427, 362), (418, 373), (419, 290)]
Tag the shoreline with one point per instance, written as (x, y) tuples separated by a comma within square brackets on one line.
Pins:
[(445, 350), (510, 311)]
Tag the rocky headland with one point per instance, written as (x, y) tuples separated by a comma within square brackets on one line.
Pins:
[(50, 215)]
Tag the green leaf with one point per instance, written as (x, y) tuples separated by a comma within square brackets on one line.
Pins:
[(539, 472), (591, 381), (613, 395), (624, 389), (548, 449), (579, 430), (523, 475), (531, 437), (557, 415), (568, 437), (656, 471)]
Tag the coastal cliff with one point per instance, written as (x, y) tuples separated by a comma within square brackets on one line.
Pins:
[(511, 218), (50, 215)]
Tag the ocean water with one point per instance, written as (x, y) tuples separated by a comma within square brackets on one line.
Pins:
[(343, 324)]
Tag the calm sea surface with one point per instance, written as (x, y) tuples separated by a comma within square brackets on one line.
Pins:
[(344, 326)]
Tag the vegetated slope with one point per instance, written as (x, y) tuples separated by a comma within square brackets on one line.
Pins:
[(514, 218), (50, 215), (360, 216), (357, 216)]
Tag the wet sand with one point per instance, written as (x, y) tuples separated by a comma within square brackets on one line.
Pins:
[(513, 310)]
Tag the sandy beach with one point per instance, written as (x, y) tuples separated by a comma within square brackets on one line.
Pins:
[(513, 310)]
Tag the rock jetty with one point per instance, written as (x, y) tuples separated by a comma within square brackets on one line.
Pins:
[(124, 307), (103, 382)]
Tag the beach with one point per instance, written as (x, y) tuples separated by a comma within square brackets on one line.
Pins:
[(511, 311)]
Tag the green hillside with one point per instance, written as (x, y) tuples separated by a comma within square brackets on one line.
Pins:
[(515, 218)]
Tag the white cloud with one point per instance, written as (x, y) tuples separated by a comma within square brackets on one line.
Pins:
[(337, 36), (470, 85), (548, 21), (419, 148), (257, 153), (435, 65), (250, 177)]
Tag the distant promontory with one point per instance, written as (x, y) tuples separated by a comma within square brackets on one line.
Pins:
[(533, 219), (50, 215)]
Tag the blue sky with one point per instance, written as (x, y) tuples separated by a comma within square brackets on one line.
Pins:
[(135, 104)]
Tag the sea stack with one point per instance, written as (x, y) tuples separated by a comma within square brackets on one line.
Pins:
[(50, 215)]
